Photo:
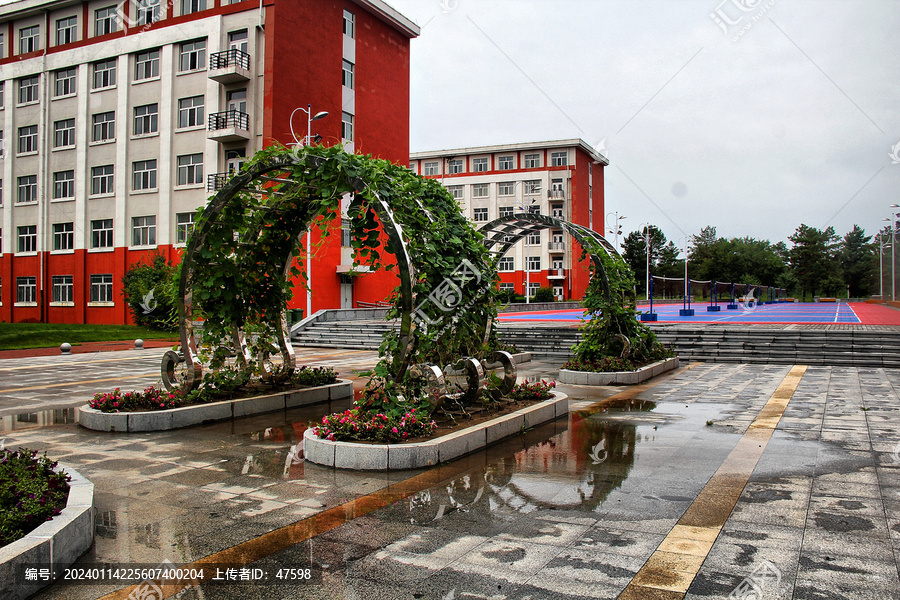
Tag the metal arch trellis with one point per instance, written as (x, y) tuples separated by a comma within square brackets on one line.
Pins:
[(273, 178), (503, 233)]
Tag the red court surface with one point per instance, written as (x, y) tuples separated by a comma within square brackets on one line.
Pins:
[(786, 313)]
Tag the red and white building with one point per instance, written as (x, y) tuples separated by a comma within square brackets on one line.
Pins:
[(561, 178), (119, 120)]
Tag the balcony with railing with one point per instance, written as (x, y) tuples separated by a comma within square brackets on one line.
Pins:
[(216, 181), (556, 246), (229, 66), (229, 126), (556, 194), (556, 274)]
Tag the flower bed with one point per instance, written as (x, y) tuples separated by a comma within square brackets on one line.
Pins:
[(31, 492), (573, 377)]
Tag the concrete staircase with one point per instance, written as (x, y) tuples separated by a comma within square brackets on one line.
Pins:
[(822, 345)]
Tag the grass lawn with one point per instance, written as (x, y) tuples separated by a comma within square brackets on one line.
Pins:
[(15, 336)]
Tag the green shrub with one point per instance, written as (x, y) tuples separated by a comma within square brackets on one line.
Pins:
[(151, 291), (30, 492), (544, 294)]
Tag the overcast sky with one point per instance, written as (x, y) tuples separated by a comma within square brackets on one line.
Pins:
[(791, 122)]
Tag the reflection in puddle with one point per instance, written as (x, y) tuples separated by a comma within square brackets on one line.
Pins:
[(42, 418), (573, 470)]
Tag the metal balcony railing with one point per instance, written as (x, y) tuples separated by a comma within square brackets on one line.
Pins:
[(216, 181), (229, 58), (556, 193), (558, 246), (556, 272), (229, 118)]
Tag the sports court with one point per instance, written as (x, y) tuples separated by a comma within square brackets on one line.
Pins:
[(858, 313)]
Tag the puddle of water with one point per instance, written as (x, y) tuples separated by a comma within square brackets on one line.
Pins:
[(43, 418)]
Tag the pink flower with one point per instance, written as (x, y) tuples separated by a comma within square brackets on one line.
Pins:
[(394, 429)]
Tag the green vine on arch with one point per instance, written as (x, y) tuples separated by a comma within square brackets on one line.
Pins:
[(240, 277)]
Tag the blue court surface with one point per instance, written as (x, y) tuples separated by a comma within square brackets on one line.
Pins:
[(787, 312)]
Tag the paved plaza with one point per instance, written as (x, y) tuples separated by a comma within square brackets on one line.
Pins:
[(712, 481)]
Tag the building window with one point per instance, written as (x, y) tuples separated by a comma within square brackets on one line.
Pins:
[(2, 46), (237, 40), (29, 39), (102, 288), (104, 74), (63, 290), (507, 264), (104, 126), (27, 238), (504, 163), (430, 168), (26, 289), (184, 225), (190, 169), (192, 6), (66, 30), (533, 186), (349, 24), (480, 215), (480, 190), (65, 82), (506, 188), (532, 286), (190, 112), (63, 236), (147, 12), (146, 65), (145, 119), (28, 139), (102, 180), (2, 84), (104, 20), (193, 55), (557, 211), (28, 89), (534, 263), (456, 191), (143, 231), (346, 126), (63, 184), (533, 238), (506, 286), (102, 233), (1, 143), (479, 165), (559, 159), (347, 77), (27, 189), (143, 175), (506, 211), (532, 161), (455, 166), (64, 133)]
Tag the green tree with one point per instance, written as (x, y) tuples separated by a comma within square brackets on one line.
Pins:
[(813, 259), (663, 255), (859, 262), (151, 289)]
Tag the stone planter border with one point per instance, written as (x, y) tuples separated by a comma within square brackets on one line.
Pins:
[(53, 545), (185, 416), (617, 378), (396, 457)]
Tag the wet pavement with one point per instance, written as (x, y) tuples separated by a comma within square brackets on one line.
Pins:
[(713, 481)]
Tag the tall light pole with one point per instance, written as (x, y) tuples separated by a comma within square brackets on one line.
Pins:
[(615, 228), (646, 230), (882, 245), (894, 217), (306, 142)]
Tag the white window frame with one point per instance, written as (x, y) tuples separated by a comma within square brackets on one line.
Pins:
[(29, 39), (532, 186), (102, 233), (146, 65), (559, 159), (456, 191), (184, 225), (63, 236), (105, 128), (66, 30), (143, 231), (26, 238), (431, 168), (506, 188), (105, 20), (29, 89), (63, 289), (479, 165), (507, 264), (190, 169), (146, 120), (192, 56), (455, 166), (143, 175), (190, 113), (64, 133), (103, 182), (189, 7), (102, 288), (506, 163), (532, 161), (349, 24), (26, 290), (28, 139), (481, 190), (346, 126), (64, 185), (146, 12), (347, 73), (64, 82), (27, 189), (506, 211), (103, 74), (480, 215), (534, 265)]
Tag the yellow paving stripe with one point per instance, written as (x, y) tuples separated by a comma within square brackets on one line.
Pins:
[(56, 385), (669, 571)]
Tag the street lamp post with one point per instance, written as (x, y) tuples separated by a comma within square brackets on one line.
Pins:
[(306, 142), (615, 228), (894, 218), (646, 229), (882, 246)]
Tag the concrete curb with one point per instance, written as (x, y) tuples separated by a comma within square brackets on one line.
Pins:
[(396, 457), (185, 416), (53, 545), (617, 378)]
